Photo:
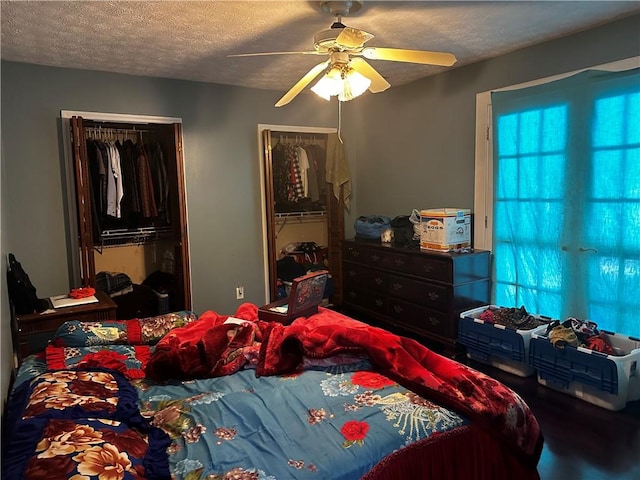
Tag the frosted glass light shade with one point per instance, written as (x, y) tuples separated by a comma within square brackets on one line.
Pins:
[(345, 86)]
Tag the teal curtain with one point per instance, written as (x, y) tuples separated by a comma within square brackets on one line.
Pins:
[(566, 206)]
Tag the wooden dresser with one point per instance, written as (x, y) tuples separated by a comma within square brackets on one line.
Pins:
[(418, 291), (33, 330)]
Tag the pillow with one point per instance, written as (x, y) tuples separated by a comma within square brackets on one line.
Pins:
[(85, 448), (129, 360), (152, 329), (138, 331), (80, 424)]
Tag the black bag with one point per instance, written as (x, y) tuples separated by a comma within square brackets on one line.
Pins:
[(403, 231), (22, 293)]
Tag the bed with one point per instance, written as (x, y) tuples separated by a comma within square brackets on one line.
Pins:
[(212, 396)]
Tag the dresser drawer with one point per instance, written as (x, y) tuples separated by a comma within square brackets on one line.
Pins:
[(424, 293), (363, 277), (420, 318), (375, 302), (431, 268), (376, 257)]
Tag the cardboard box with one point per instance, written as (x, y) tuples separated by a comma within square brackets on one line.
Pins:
[(306, 294), (445, 229)]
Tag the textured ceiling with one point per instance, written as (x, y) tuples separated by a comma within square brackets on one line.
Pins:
[(191, 40)]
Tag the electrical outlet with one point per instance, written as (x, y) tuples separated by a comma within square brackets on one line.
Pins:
[(239, 292)]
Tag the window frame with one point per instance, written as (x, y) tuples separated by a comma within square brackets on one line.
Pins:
[(483, 171)]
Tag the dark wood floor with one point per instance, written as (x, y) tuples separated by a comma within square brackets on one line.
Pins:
[(582, 441)]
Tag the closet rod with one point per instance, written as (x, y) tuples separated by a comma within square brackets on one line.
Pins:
[(298, 136), (114, 130)]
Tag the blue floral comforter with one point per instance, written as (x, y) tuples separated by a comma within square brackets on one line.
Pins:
[(248, 427), (243, 426)]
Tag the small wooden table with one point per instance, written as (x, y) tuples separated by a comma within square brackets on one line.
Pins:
[(32, 331)]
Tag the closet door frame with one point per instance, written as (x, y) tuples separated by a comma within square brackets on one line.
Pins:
[(80, 243), (267, 199)]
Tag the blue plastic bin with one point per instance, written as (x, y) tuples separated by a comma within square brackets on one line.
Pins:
[(609, 381), (496, 345)]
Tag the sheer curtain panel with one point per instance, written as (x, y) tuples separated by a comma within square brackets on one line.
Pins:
[(566, 230)]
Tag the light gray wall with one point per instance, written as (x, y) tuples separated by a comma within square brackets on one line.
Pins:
[(6, 351), (416, 144), (410, 147), (221, 161)]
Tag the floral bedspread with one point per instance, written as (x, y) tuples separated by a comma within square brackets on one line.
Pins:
[(231, 400), (213, 346), (235, 426), (243, 426)]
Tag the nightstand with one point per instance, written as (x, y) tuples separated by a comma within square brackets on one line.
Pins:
[(32, 331)]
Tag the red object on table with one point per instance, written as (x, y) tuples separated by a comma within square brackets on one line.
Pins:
[(82, 292)]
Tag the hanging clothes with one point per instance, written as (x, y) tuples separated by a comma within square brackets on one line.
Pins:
[(116, 171), (159, 179), (303, 164), (296, 189), (147, 196), (299, 177), (316, 173), (130, 203), (128, 185)]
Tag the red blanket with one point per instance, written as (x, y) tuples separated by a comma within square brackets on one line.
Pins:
[(210, 347)]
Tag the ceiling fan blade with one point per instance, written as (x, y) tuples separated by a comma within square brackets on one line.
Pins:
[(410, 56), (303, 82), (378, 83), (352, 37), (259, 54)]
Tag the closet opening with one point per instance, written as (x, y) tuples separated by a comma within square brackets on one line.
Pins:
[(302, 219), (126, 190)]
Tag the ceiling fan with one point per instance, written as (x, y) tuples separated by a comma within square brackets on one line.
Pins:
[(348, 74)]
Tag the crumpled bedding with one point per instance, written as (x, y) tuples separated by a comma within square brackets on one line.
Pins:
[(210, 347)]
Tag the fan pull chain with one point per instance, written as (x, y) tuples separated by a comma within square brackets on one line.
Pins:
[(340, 121)]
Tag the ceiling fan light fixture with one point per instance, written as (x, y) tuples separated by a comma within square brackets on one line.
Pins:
[(354, 85), (343, 82), (329, 84)]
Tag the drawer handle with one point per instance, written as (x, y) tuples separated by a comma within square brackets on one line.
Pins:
[(433, 321), (427, 268), (354, 253), (397, 286), (379, 302), (352, 273), (433, 296), (399, 262), (398, 309), (375, 257), (379, 281), (352, 294)]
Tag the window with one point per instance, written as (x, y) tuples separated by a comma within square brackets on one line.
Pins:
[(563, 213)]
